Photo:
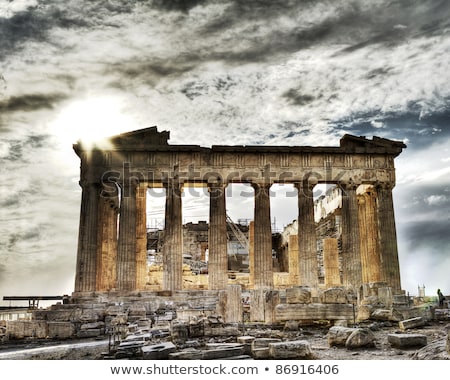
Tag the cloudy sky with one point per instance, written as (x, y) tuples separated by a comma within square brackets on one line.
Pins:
[(217, 72)]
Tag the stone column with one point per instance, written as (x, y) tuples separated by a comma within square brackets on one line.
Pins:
[(126, 250), (217, 239), (351, 258), (173, 238), (263, 273), (294, 270), (141, 236), (370, 254), (390, 269), (234, 308), (107, 238), (331, 262), (251, 254), (307, 241), (86, 270)]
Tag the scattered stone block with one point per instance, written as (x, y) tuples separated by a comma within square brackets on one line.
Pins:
[(221, 351), (246, 341), (92, 325), (334, 295), (297, 349), (338, 335), (91, 333), (447, 346), (61, 330), (26, 329), (158, 351), (364, 313), (360, 338), (187, 354), (260, 347), (411, 323), (407, 340), (179, 332), (386, 315), (298, 294)]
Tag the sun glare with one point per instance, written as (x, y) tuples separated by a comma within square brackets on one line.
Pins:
[(91, 121)]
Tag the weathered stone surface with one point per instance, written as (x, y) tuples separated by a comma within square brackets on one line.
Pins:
[(338, 335), (159, 351), (291, 326), (61, 330), (187, 354), (26, 329), (334, 295), (298, 294), (297, 349), (364, 313), (315, 311), (92, 325), (407, 340), (360, 338), (246, 341), (179, 332), (220, 351), (411, 323)]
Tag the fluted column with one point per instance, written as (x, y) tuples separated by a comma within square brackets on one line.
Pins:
[(331, 262), (107, 238), (141, 236), (307, 241), (126, 251), (217, 239), (85, 276), (263, 275), (173, 239), (294, 270), (370, 254), (351, 257), (390, 268)]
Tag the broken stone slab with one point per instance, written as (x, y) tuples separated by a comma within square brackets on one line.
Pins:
[(361, 337), (92, 325), (297, 349), (159, 351), (298, 294), (222, 331), (187, 354), (246, 341), (364, 313), (338, 335), (411, 323), (221, 352), (386, 315), (260, 347), (313, 311), (407, 340)]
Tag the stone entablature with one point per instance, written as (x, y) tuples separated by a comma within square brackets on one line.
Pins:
[(125, 166)]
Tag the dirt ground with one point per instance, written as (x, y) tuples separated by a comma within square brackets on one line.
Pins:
[(94, 349)]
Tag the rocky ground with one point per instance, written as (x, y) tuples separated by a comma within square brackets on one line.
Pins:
[(96, 349)]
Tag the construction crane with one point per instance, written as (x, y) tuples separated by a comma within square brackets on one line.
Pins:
[(242, 239)]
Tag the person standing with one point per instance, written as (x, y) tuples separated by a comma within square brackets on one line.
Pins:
[(441, 298)]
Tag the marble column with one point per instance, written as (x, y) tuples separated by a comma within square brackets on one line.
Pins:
[(263, 273), (141, 236), (351, 257), (86, 270), (126, 250), (173, 238), (370, 254), (217, 238), (107, 238), (390, 268), (331, 262), (307, 241), (251, 254)]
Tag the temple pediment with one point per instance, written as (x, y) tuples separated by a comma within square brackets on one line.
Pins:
[(141, 138)]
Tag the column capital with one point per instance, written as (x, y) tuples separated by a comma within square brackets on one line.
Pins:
[(348, 185), (384, 185)]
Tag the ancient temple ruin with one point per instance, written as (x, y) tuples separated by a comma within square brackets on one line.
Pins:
[(117, 172)]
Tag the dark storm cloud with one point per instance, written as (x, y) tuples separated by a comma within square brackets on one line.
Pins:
[(177, 5), (432, 235), (19, 149), (30, 102)]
